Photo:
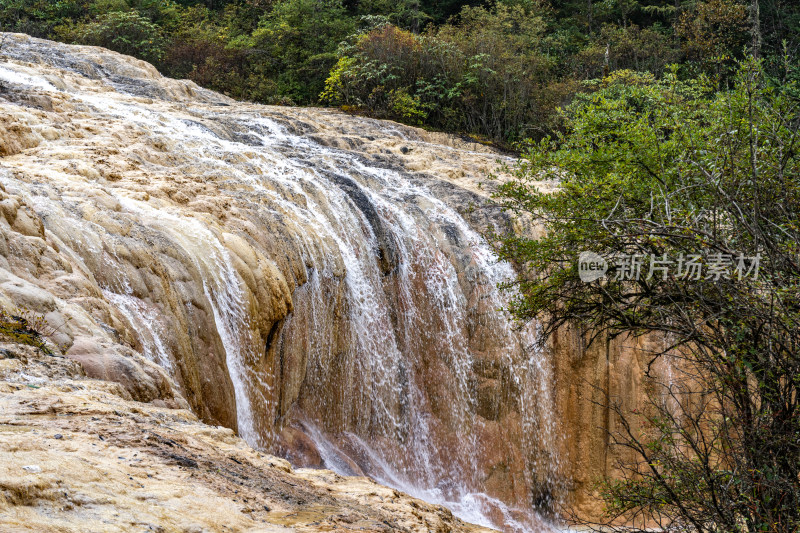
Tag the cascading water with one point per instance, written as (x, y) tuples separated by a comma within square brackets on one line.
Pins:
[(430, 241), (395, 319)]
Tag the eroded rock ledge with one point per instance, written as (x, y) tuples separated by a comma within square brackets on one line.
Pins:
[(79, 455), (180, 243), (281, 271)]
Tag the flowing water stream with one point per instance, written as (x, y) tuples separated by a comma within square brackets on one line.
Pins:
[(397, 314)]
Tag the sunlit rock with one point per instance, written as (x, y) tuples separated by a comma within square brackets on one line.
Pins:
[(314, 281)]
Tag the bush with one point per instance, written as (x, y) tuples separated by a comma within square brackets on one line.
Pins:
[(384, 62), (629, 47), (664, 172), (714, 33), (295, 45), (24, 327), (487, 74), (127, 32), (201, 52), (40, 17), (208, 63)]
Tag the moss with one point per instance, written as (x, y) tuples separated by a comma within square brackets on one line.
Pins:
[(24, 328)]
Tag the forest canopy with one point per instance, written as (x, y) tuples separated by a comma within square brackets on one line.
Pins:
[(496, 70)]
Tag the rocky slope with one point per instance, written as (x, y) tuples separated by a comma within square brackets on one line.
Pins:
[(78, 455), (313, 281)]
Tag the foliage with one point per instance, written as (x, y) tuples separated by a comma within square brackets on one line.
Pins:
[(669, 169), (714, 32), (381, 62), (486, 74), (127, 32), (629, 47), (25, 327), (201, 52), (39, 17), (498, 69), (297, 41)]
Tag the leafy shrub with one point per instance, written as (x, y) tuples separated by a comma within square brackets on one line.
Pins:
[(24, 327), (486, 74), (295, 46), (380, 74), (208, 63), (166, 14), (98, 7), (407, 107), (629, 47), (39, 17), (714, 32), (127, 32), (659, 169)]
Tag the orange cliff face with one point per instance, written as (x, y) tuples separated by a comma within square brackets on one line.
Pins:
[(314, 281)]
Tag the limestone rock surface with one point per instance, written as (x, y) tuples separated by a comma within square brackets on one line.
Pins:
[(315, 282), (78, 455)]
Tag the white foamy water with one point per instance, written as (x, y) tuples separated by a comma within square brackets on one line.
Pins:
[(19, 78), (417, 282)]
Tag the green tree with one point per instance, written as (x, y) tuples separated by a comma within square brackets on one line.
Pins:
[(666, 171), (627, 47), (39, 17), (296, 43), (714, 33), (486, 73), (127, 32)]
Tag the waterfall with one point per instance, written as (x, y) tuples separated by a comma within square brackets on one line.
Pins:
[(395, 350)]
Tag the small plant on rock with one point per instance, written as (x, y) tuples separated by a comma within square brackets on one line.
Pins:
[(25, 327)]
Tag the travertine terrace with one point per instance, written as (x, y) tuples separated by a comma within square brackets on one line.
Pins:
[(315, 282)]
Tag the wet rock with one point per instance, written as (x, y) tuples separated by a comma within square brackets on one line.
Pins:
[(153, 458), (312, 280), (144, 381), (386, 249)]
